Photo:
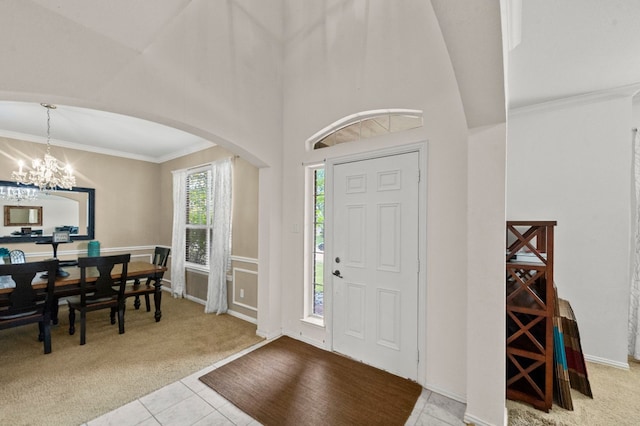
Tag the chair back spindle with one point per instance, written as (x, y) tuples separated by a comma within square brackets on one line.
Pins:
[(99, 293)]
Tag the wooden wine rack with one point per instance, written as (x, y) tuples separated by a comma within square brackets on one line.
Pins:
[(530, 309)]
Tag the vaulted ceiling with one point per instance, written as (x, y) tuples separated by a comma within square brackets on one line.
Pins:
[(555, 49)]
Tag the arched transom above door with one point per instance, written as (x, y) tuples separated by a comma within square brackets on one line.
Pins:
[(365, 125)]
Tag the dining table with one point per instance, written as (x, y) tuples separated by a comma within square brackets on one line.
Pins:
[(69, 285)]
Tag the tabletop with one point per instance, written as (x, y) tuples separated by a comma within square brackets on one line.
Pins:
[(134, 270)]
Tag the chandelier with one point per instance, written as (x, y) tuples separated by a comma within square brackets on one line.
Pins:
[(48, 173)]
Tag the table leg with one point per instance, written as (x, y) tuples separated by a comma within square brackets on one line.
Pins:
[(157, 298)]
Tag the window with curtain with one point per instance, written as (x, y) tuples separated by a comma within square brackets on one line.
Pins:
[(200, 240), (198, 221)]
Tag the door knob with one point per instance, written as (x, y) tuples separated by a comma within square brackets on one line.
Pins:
[(337, 273)]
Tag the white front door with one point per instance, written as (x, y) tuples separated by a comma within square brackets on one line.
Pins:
[(375, 262)]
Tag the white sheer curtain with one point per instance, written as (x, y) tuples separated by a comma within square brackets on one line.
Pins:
[(634, 306), (220, 247), (178, 235)]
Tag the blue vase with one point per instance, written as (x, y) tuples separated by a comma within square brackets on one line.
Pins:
[(93, 248)]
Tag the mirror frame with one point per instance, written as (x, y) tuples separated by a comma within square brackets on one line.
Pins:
[(7, 215), (90, 235)]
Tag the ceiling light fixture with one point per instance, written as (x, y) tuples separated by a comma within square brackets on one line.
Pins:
[(48, 173)]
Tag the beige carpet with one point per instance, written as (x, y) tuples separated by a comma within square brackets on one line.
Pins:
[(288, 382), (76, 383), (616, 402)]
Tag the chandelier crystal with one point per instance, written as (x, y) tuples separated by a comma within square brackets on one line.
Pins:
[(18, 194), (47, 173)]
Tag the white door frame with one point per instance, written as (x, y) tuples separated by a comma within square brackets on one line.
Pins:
[(421, 149)]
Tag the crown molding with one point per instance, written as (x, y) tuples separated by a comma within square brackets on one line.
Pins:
[(584, 98)]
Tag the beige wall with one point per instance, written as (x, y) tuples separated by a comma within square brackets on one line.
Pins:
[(134, 205)]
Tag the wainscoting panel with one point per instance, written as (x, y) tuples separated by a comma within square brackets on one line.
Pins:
[(243, 291), (245, 288)]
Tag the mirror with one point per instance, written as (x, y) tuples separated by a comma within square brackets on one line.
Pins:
[(22, 215), (31, 215)]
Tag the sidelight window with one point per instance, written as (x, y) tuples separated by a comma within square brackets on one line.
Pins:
[(315, 247)]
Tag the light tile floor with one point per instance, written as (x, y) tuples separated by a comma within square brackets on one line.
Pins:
[(189, 402)]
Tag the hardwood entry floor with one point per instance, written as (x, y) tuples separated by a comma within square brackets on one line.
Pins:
[(191, 402)]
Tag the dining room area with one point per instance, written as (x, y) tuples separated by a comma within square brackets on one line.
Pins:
[(112, 228), (121, 205)]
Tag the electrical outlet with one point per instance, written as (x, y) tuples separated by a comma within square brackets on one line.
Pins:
[(242, 293)]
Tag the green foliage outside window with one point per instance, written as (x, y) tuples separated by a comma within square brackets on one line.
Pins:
[(197, 232), (197, 196)]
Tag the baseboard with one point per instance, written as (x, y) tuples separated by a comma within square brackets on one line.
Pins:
[(444, 392), (195, 299), (605, 361), (472, 420), (267, 335), (476, 421), (242, 316), (298, 336)]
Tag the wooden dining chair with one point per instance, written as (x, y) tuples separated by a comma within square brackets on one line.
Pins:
[(160, 257), (101, 292), (28, 304)]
